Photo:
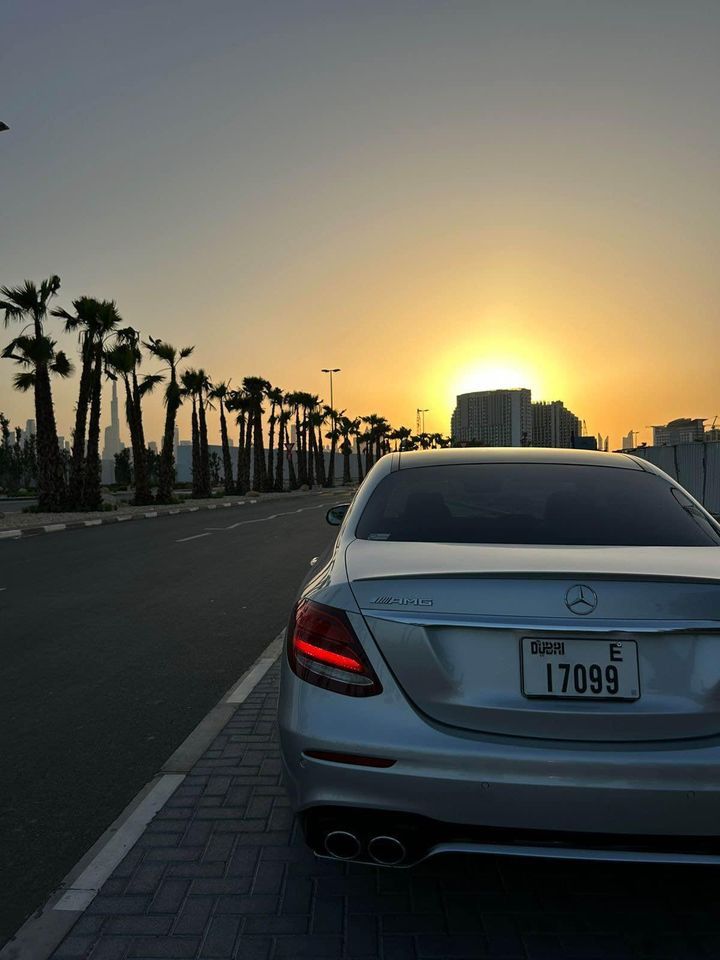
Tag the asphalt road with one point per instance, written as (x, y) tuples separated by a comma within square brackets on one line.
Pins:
[(115, 642)]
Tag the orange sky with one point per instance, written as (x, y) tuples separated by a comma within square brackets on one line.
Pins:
[(435, 197)]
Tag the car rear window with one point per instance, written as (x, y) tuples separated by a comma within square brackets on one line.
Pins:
[(534, 503)]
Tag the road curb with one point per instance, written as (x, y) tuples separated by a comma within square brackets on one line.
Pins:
[(22, 533), (44, 931)]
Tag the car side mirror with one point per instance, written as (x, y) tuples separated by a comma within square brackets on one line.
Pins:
[(336, 514)]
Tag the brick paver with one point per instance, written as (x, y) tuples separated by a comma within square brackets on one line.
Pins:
[(222, 873)]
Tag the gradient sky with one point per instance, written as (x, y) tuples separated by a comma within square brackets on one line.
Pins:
[(434, 196)]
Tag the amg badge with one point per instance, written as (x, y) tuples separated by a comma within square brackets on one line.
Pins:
[(405, 601)]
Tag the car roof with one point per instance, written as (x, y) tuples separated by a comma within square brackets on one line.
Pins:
[(428, 458)]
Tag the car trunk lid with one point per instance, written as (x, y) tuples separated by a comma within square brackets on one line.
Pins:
[(452, 621)]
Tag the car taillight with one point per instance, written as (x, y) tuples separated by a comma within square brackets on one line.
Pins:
[(323, 649)]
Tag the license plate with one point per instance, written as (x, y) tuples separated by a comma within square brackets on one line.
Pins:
[(580, 669)]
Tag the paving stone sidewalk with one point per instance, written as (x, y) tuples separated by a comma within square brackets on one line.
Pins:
[(222, 873)]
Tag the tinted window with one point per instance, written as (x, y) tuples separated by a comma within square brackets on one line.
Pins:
[(533, 503)]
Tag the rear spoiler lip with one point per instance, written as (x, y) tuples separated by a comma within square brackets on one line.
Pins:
[(547, 625), (537, 575)]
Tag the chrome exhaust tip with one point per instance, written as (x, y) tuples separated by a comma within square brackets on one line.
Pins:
[(342, 845), (387, 851)]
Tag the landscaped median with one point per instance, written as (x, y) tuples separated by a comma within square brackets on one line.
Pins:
[(16, 525)]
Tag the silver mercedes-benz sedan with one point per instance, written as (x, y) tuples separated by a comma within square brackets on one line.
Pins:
[(512, 651)]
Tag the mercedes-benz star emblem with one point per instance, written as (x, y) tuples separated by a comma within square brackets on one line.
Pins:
[(581, 599)]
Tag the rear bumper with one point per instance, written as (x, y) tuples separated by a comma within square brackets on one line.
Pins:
[(637, 790), (421, 838)]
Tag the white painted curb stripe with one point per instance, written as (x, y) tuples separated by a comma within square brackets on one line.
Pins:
[(6, 534), (246, 684), (54, 527), (85, 887), (93, 523)]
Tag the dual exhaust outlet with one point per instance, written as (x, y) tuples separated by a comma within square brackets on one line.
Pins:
[(383, 850)]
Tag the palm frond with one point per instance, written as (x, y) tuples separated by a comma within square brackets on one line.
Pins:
[(24, 381)]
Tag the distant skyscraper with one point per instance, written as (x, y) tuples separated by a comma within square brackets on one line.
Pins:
[(152, 445), (30, 429), (113, 444), (553, 425), (493, 418), (176, 441)]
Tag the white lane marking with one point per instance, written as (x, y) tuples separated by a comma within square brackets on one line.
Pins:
[(244, 687), (196, 537), (273, 516), (83, 889)]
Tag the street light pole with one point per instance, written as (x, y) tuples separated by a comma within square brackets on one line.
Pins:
[(332, 404)]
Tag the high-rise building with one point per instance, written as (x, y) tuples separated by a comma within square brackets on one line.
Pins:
[(682, 430), (493, 418), (113, 444), (553, 425), (30, 429), (176, 440), (152, 445)]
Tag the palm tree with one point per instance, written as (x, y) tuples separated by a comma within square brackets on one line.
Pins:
[(255, 388), (334, 435), (401, 434), (284, 418), (344, 427), (189, 384), (204, 387), (238, 402), (29, 302), (317, 420), (104, 323), (355, 431), (275, 396), (171, 357), (83, 320), (295, 402), (220, 392), (122, 360), (32, 354)]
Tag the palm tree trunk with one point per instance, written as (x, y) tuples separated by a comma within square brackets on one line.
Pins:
[(143, 494), (196, 466), (359, 459), (320, 459), (241, 485), (270, 472), (280, 459), (258, 451), (51, 482), (166, 467), (227, 459), (205, 482), (299, 452), (92, 495), (81, 413), (248, 447), (331, 465), (310, 444), (346, 452)]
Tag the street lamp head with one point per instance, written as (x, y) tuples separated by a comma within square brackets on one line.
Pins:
[(3, 126), (328, 370)]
